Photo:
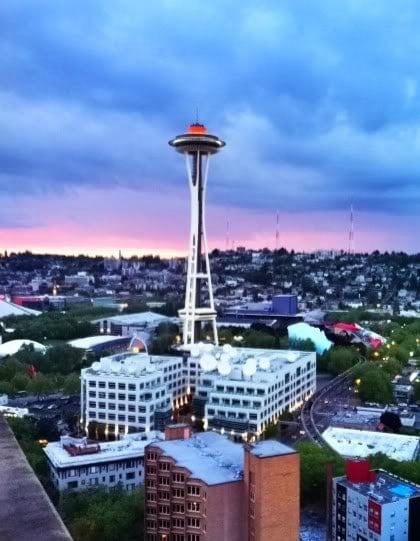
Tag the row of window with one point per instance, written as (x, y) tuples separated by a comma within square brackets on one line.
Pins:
[(175, 537), (191, 522), (124, 386), (124, 397)]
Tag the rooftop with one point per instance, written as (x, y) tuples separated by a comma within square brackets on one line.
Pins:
[(385, 489), (139, 318), (70, 452), (11, 309), (269, 448), (92, 341), (209, 456), (362, 443), (129, 364)]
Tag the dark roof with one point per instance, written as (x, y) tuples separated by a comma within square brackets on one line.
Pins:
[(26, 512)]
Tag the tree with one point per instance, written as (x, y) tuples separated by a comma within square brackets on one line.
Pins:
[(40, 385), (99, 515), (20, 382), (72, 384), (341, 359), (6, 388), (375, 385), (313, 462)]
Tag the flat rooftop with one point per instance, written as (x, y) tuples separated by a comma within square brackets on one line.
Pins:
[(208, 456), (92, 341), (386, 488), (130, 446), (139, 318), (270, 448), (362, 443), (26, 512)]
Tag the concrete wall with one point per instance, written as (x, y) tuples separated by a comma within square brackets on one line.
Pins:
[(26, 512)]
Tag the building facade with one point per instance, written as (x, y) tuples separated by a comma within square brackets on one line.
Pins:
[(131, 392), (241, 391), (245, 401), (77, 464), (374, 506)]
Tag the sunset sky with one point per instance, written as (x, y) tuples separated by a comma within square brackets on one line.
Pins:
[(318, 102)]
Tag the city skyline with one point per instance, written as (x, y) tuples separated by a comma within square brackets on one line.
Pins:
[(317, 104)]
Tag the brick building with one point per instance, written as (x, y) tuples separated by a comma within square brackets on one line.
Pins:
[(374, 506), (201, 488)]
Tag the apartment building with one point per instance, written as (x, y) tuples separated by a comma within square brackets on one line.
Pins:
[(77, 464), (207, 488), (374, 506)]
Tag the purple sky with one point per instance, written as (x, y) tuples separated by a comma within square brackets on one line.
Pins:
[(317, 102)]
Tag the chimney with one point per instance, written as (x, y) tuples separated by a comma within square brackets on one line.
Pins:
[(178, 431)]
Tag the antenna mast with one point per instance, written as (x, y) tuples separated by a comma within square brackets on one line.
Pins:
[(351, 232)]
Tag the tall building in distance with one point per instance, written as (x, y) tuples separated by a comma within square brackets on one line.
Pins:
[(197, 145), (374, 506)]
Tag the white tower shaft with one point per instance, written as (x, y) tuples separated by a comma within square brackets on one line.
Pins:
[(198, 271)]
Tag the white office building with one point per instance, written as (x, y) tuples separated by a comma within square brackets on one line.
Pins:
[(76, 464), (234, 390), (248, 389), (132, 392)]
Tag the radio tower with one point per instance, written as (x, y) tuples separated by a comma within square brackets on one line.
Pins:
[(351, 232), (227, 236), (197, 145)]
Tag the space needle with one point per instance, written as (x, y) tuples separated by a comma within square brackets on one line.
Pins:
[(197, 145)]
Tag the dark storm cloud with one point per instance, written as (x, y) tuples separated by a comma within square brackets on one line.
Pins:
[(318, 101)]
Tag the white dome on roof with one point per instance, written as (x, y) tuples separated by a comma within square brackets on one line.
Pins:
[(12, 347)]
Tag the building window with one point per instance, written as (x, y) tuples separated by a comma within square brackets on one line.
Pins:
[(164, 509), (178, 493), (164, 466), (194, 507), (164, 495), (164, 481), (178, 523), (130, 475), (193, 522), (179, 477), (193, 490)]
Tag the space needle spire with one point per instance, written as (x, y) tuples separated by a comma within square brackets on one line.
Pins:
[(197, 145)]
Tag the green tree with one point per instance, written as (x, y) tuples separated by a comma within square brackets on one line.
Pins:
[(72, 384), (313, 462), (40, 385), (99, 515), (341, 359), (20, 382), (6, 388), (375, 385)]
